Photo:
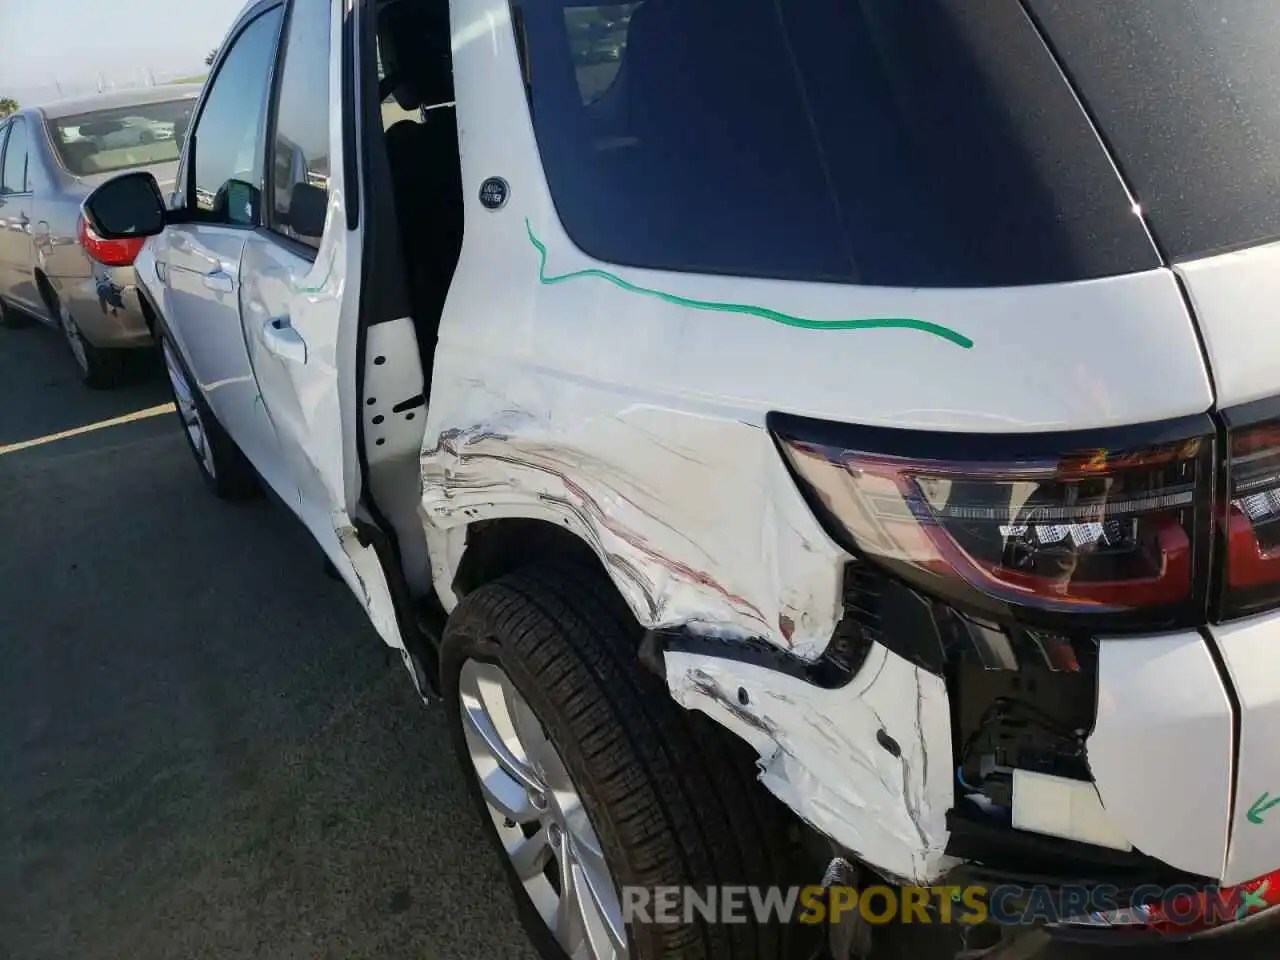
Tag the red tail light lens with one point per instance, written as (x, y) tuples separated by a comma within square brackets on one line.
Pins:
[(111, 253), (1104, 528), (1252, 525)]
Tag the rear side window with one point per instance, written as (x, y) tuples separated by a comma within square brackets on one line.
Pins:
[(1187, 93), (13, 176), (921, 143), (300, 149)]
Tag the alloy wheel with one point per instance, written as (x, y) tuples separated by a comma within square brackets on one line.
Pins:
[(539, 816), (74, 338), (189, 411)]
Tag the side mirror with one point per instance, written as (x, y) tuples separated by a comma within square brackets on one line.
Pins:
[(127, 207), (307, 207), (238, 202)]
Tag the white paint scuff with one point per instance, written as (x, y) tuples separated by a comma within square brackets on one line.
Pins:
[(692, 513)]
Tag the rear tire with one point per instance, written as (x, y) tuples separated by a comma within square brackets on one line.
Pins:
[(11, 319), (100, 369), (671, 796), (224, 469)]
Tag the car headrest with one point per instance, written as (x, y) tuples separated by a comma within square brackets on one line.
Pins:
[(417, 55), (78, 154)]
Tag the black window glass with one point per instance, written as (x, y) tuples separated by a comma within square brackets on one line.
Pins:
[(300, 153), (896, 142), (1187, 93), (229, 135), (597, 38), (13, 178)]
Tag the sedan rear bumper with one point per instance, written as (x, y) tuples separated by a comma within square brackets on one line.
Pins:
[(107, 310)]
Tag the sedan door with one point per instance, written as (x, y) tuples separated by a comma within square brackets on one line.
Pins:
[(17, 275), (4, 223), (223, 185)]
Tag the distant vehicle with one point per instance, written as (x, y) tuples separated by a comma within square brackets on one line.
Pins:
[(52, 265)]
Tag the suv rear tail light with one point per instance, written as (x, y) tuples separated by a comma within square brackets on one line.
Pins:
[(1034, 526), (111, 253), (1252, 527)]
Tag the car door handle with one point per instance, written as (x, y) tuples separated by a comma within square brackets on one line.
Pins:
[(218, 280), (283, 340)]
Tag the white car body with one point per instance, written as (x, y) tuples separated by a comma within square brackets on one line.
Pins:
[(628, 407)]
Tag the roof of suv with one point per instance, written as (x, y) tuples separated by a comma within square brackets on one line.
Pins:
[(121, 98)]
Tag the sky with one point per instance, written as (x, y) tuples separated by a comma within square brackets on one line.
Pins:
[(47, 43)]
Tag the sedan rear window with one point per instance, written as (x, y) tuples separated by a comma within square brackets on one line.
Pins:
[(122, 138), (922, 143)]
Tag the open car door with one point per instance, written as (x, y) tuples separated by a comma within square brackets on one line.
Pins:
[(301, 311)]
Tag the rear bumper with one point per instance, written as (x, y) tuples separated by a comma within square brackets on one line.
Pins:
[(1179, 753), (106, 309)]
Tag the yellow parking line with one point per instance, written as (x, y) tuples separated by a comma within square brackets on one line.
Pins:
[(89, 428)]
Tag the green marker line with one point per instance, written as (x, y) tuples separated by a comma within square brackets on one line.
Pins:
[(1261, 806), (298, 288), (871, 323)]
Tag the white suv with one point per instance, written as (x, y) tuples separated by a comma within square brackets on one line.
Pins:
[(894, 384)]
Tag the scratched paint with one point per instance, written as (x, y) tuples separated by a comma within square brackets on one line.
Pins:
[(672, 553), (869, 323)]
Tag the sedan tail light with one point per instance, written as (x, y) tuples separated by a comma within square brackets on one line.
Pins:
[(111, 253), (1032, 527)]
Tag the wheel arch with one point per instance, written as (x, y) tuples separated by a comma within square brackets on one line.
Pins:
[(499, 546)]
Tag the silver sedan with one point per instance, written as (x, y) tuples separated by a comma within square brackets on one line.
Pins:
[(52, 265)]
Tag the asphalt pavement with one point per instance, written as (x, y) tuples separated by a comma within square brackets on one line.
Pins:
[(204, 749)]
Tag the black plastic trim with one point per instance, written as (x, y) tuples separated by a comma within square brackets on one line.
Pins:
[(824, 673), (1251, 414), (1000, 854), (350, 138)]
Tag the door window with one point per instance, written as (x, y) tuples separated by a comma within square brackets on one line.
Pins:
[(13, 178), (300, 151), (229, 135)]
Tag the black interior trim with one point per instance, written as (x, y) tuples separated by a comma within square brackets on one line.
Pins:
[(350, 138)]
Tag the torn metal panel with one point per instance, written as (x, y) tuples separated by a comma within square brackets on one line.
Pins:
[(368, 581), (869, 764), (691, 512)]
